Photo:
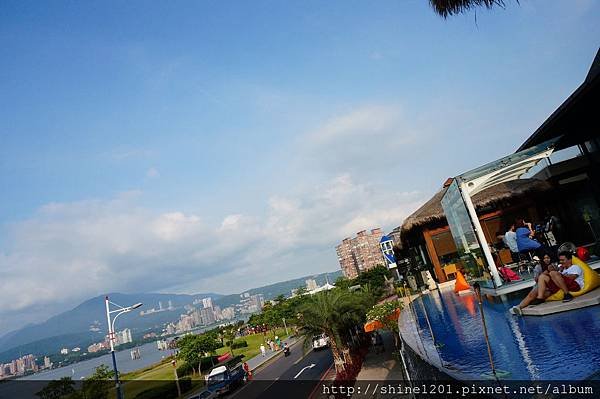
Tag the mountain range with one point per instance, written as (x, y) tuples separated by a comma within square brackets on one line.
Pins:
[(86, 323)]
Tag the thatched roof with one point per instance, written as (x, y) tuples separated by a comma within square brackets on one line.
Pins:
[(432, 212), (446, 8)]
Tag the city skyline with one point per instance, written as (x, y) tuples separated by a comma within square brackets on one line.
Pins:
[(194, 149)]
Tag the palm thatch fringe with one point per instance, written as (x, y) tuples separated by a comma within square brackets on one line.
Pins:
[(445, 8), (432, 211)]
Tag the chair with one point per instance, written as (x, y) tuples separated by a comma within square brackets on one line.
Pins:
[(450, 269), (505, 256)]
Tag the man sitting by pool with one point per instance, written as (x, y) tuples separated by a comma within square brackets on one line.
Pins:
[(544, 267), (569, 279)]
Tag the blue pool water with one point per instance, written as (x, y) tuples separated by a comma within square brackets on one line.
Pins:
[(559, 346)]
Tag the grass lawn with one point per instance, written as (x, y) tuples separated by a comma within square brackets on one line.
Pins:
[(254, 342), (153, 377), (160, 373)]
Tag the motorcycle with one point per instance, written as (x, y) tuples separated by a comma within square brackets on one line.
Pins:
[(286, 351)]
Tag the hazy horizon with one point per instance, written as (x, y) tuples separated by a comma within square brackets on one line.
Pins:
[(193, 147)]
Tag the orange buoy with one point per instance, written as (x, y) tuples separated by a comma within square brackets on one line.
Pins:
[(460, 284)]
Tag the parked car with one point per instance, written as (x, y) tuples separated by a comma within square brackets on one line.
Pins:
[(320, 341), (225, 377)]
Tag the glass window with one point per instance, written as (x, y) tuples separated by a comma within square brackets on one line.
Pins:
[(468, 248)]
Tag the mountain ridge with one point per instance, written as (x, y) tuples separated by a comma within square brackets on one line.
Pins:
[(78, 321)]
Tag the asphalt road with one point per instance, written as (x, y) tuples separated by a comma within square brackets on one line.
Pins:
[(292, 377)]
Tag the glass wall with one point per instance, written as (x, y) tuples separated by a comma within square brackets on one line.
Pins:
[(469, 251), (446, 252)]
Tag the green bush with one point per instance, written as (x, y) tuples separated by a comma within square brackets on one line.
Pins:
[(206, 363), (185, 369), (239, 344)]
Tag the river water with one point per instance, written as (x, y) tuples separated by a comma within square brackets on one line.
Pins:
[(149, 355)]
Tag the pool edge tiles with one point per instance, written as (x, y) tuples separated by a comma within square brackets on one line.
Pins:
[(445, 331), (426, 353)]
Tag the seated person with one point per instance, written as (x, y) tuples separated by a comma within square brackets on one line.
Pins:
[(524, 236), (570, 279), (510, 240), (546, 266)]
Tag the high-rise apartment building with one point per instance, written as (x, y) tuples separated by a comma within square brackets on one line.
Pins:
[(228, 313), (207, 303), (123, 337), (207, 316), (360, 253)]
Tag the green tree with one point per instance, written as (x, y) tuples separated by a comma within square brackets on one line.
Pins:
[(229, 336), (279, 298), (375, 278), (99, 384), (57, 388), (192, 347), (385, 313), (335, 313)]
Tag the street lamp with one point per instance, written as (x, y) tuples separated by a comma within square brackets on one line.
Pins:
[(111, 336)]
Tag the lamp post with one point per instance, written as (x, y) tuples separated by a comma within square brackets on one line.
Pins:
[(111, 336)]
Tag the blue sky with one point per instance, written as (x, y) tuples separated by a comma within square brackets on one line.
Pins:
[(196, 146)]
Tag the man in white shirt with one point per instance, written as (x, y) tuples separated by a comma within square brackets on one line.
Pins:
[(510, 239), (570, 279)]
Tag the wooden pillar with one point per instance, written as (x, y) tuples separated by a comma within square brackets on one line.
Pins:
[(433, 256)]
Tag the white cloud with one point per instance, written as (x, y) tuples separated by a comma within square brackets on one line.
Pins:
[(363, 141), (152, 173), (365, 122), (68, 252), (123, 153)]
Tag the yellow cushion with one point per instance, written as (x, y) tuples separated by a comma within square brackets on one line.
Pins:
[(591, 280)]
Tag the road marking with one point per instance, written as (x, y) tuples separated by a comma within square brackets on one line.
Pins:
[(301, 371), (302, 357)]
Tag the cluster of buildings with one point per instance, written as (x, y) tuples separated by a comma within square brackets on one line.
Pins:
[(23, 365), (164, 345), (361, 253), (65, 351), (205, 315), (250, 303), (312, 287), (121, 337), (160, 309)]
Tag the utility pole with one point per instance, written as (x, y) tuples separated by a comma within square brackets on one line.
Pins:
[(285, 326), (174, 363)]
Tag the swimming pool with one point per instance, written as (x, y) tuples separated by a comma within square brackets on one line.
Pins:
[(555, 347)]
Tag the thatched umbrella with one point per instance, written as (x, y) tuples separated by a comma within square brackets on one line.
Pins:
[(451, 7)]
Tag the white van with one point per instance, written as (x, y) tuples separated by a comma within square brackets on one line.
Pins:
[(320, 341)]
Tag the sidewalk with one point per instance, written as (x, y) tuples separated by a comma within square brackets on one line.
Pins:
[(382, 366), (376, 367), (259, 359)]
